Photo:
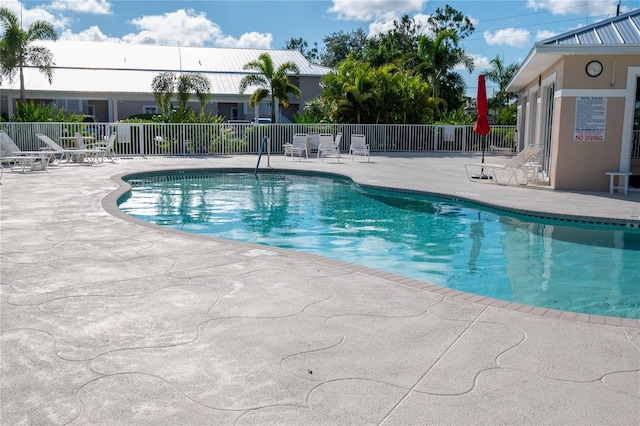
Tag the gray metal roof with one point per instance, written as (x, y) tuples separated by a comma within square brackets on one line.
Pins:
[(619, 35), (145, 57), (105, 67), (622, 29)]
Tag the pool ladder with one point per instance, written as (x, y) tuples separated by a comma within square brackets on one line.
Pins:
[(264, 143)]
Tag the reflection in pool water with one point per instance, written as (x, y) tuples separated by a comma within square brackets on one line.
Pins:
[(561, 265)]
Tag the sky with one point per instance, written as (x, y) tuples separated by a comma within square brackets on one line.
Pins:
[(506, 28)]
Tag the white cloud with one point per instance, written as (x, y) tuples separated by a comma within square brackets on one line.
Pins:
[(29, 16), (422, 19), (383, 25), (182, 26), (94, 7), (254, 40), (93, 33), (377, 27), (370, 10), (545, 34), (514, 37), (480, 63), (189, 28), (577, 7)]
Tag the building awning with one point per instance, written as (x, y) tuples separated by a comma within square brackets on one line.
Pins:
[(619, 35)]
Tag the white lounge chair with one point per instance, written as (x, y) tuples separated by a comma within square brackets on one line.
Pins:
[(9, 147), (13, 156), (519, 168), (70, 154), (328, 147), (31, 162), (359, 146), (297, 147)]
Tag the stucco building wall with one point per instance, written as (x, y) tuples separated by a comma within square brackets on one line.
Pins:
[(572, 164)]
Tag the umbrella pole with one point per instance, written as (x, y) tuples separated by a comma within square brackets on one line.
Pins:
[(482, 175), (484, 146)]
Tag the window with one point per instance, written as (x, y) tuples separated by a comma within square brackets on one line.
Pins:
[(149, 109), (69, 105)]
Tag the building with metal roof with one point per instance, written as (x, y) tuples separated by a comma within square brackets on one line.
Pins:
[(113, 80), (579, 97)]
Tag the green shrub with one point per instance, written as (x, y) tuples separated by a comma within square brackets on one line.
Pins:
[(30, 112), (457, 117)]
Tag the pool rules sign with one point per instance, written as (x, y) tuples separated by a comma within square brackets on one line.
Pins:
[(591, 119)]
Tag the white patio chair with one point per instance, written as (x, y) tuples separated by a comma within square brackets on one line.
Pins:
[(107, 146), (297, 147), (359, 146), (328, 147), (313, 141), (92, 153), (337, 141)]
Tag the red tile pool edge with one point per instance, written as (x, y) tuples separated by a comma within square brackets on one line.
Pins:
[(483, 300)]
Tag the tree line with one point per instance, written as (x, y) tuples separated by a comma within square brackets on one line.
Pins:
[(405, 75), (376, 79)]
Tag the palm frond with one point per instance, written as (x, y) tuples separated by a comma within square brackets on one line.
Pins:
[(257, 97)]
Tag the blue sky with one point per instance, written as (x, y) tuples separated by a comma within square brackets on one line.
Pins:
[(505, 28)]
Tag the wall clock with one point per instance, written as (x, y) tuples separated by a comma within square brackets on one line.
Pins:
[(594, 68)]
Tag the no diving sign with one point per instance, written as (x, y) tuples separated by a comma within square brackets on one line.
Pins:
[(591, 119)]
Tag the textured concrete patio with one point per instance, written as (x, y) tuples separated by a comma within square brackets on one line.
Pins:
[(108, 321)]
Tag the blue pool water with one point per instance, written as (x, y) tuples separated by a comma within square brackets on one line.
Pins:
[(593, 269)]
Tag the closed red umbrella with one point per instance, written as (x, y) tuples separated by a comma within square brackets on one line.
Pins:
[(482, 126)]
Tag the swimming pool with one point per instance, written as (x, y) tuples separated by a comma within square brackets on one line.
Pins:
[(586, 268)]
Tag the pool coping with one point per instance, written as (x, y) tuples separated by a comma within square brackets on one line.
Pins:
[(110, 205)]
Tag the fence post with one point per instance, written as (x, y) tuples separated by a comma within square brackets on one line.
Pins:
[(464, 138), (435, 138)]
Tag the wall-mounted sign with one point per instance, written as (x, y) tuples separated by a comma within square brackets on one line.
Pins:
[(591, 119)]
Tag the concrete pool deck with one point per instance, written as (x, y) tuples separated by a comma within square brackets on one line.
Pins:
[(106, 321)]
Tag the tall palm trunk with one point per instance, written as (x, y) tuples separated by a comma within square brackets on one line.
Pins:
[(23, 92)]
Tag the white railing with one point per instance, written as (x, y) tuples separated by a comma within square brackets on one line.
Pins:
[(141, 139)]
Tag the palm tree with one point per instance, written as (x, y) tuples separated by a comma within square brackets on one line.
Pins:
[(270, 82), (163, 87), (349, 92), (17, 51), (501, 74), (165, 84), (440, 55), (359, 93), (197, 84)]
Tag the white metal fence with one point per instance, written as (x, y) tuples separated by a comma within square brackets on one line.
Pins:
[(232, 138), (142, 139)]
